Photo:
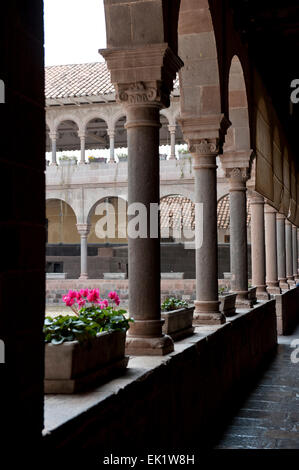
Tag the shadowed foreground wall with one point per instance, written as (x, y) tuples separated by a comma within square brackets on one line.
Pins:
[(22, 221), (174, 402)]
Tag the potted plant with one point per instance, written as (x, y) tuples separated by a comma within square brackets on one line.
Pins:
[(92, 159), (178, 316), (227, 301), (86, 347), (122, 157), (65, 160)]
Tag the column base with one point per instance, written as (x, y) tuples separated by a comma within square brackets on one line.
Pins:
[(283, 284), (261, 293), (274, 289), (243, 300), (291, 281), (139, 346), (172, 157), (82, 163), (53, 164), (111, 161), (207, 313), (83, 277)]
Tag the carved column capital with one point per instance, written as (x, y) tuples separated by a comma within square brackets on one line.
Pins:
[(281, 216), (83, 229), (256, 198), (237, 178), (53, 136), (142, 93)]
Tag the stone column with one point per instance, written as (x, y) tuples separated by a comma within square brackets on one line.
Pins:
[(143, 124), (53, 137), (238, 235), (111, 134), (281, 251), (83, 230), (271, 251), (289, 253), (172, 142), (295, 252), (258, 255), (143, 79), (204, 151), (82, 137)]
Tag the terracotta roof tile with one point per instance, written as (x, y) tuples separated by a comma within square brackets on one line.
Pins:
[(77, 80)]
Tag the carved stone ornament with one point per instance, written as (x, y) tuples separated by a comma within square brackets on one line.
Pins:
[(205, 147), (137, 93), (239, 174)]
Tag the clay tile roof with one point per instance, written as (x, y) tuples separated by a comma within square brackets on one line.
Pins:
[(176, 209), (67, 81)]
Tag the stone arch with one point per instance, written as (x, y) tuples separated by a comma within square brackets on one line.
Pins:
[(121, 113), (67, 117), (67, 132), (177, 217), (97, 114), (116, 213), (61, 223), (200, 86), (96, 132), (238, 135), (58, 196), (182, 191), (120, 131)]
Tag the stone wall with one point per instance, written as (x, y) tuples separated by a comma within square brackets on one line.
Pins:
[(287, 311), (175, 402), (174, 258), (22, 223)]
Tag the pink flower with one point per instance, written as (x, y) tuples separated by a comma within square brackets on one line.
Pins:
[(93, 295), (105, 303), (81, 303), (68, 301), (78, 296), (112, 295), (72, 294), (84, 292)]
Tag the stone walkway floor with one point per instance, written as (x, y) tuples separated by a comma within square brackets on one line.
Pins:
[(269, 417)]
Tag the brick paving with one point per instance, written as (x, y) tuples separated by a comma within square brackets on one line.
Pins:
[(269, 417)]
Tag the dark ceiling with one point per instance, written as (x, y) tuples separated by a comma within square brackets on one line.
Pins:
[(271, 31)]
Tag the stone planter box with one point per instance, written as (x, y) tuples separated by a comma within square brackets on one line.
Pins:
[(67, 162), (56, 275), (178, 323), (115, 275), (252, 294), (98, 160), (172, 275), (228, 304), (72, 366)]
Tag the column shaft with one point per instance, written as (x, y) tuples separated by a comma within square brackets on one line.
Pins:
[(207, 302), (145, 335), (271, 251), (172, 142), (238, 236), (295, 251), (289, 253), (82, 144), (53, 138), (111, 140), (281, 251), (258, 246), (83, 230)]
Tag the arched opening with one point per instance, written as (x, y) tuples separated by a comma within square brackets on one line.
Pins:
[(67, 142), (108, 220), (61, 223), (177, 219), (238, 135), (120, 139), (96, 139)]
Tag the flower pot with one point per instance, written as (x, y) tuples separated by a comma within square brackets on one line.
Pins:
[(252, 294), (72, 366), (178, 323), (98, 160), (228, 304), (67, 162)]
